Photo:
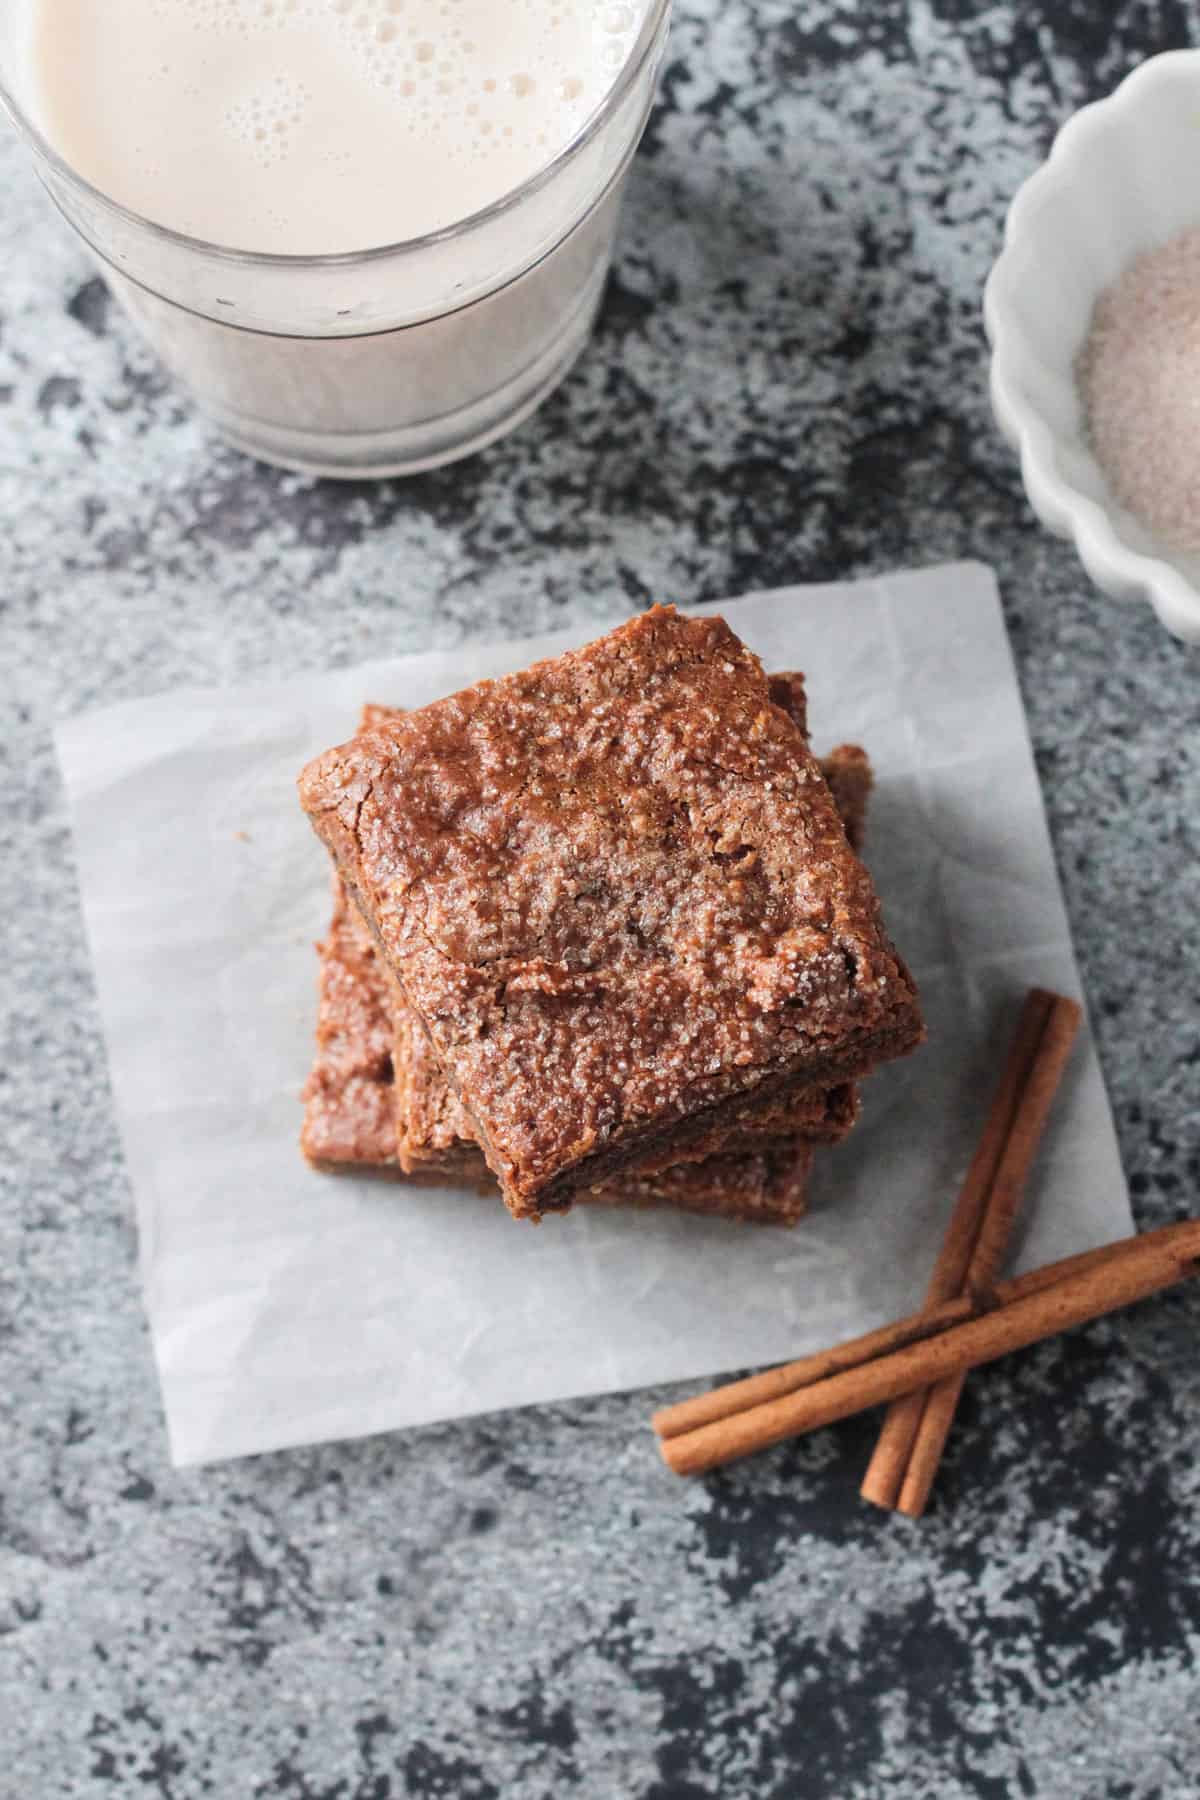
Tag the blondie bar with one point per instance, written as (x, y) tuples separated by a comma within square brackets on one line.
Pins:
[(616, 894)]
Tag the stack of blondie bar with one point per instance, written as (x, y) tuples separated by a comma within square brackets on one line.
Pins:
[(600, 934)]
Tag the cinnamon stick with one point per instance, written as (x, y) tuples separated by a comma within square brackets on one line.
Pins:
[(885, 1474), (1000, 1213), (1024, 1311), (756, 1390), (977, 1239)]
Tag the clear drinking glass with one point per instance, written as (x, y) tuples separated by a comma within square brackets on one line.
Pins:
[(385, 361)]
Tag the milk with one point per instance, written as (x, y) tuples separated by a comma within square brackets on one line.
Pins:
[(369, 235), (310, 127)]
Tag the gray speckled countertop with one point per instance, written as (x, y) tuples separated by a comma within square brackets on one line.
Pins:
[(788, 383)]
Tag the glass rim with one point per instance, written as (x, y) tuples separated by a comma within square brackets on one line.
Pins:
[(627, 75)]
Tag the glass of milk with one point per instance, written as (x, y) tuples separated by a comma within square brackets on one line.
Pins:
[(369, 236)]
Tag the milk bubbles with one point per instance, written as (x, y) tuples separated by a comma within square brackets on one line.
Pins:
[(454, 65), (321, 125)]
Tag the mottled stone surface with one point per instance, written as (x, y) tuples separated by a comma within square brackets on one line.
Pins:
[(788, 383)]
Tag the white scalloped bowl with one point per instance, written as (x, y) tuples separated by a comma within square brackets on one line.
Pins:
[(1123, 176)]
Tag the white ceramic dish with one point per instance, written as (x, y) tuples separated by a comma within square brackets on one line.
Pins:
[(1122, 177)]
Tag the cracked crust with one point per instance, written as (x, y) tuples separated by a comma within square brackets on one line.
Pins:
[(354, 1087), (365, 1102), (431, 1124), (617, 896), (759, 1175)]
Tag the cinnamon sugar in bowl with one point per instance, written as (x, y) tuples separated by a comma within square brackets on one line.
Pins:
[(1093, 315)]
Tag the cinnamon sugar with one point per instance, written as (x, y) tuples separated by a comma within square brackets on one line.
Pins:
[(1139, 374)]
